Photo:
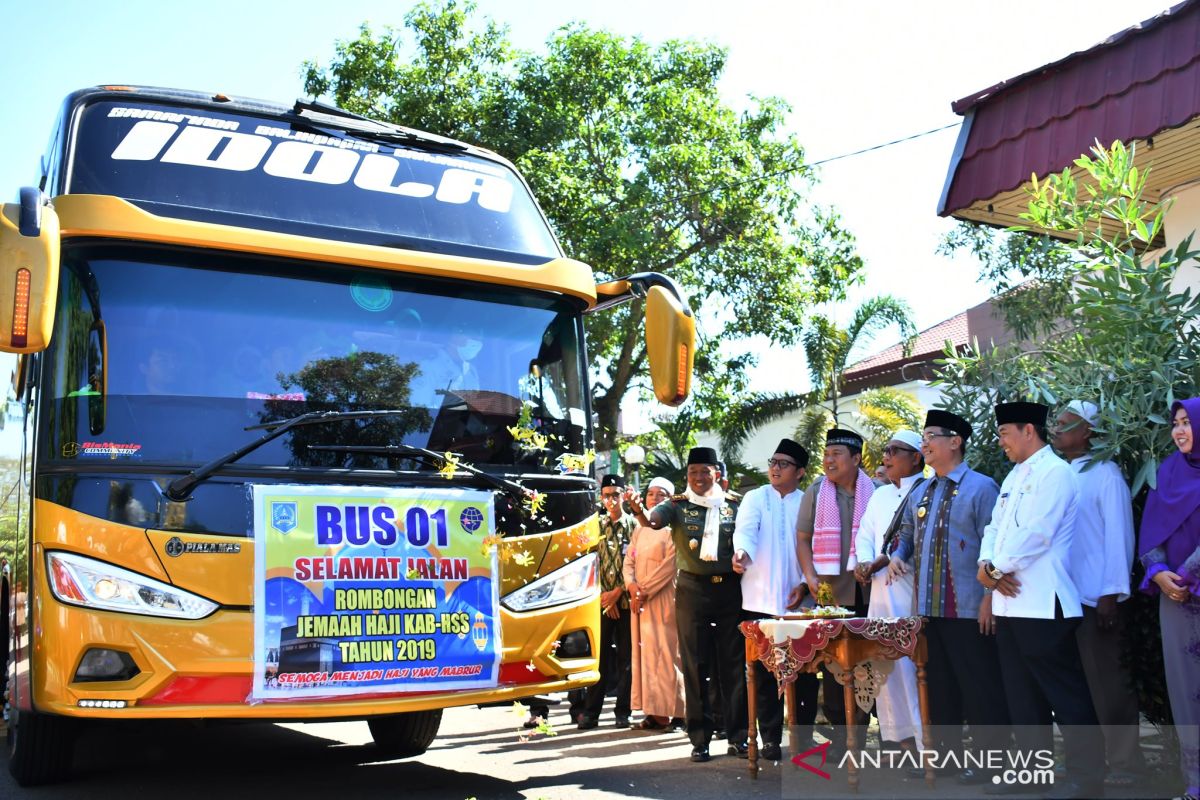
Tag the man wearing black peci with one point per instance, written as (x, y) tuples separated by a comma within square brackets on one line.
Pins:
[(941, 531), (708, 599), (616, 528), (1025, 561)]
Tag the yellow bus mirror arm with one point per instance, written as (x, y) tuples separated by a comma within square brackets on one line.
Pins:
[(670, 329)]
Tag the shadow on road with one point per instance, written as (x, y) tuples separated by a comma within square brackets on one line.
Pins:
[(234, 761)]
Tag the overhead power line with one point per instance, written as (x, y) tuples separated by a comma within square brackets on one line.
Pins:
[(789, 170), (885, 144)]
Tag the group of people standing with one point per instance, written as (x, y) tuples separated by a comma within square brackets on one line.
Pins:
[(1020, 585)]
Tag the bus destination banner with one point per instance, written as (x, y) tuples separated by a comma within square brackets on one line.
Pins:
[(361, 590)]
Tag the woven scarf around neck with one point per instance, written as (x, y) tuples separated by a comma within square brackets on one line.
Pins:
[(710, 543), (827, 525)]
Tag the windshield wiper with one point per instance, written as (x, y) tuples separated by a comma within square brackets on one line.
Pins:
[(319, 114), (428, 456), (180, 488)]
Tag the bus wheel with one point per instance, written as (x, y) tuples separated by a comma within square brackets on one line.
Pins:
[(404, 735), (40, 747)]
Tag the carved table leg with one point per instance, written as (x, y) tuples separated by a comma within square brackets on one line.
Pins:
[(789, 696), (752, 706), (926, 727), (851, 733)]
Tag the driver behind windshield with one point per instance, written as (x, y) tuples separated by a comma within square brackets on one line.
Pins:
[(449, 369)]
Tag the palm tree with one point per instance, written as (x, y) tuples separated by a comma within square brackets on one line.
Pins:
[(827, 348), (882, 412), (810, 434)]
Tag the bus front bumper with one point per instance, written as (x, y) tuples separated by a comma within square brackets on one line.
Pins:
[(203, 668)]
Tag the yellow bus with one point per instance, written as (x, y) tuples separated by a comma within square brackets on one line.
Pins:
[(300, 425)]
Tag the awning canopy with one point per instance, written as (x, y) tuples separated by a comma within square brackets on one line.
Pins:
[(1141, 86)]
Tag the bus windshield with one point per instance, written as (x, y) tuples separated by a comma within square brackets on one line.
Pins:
[(169, 357)]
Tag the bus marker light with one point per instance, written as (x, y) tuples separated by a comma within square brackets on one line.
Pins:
[(20, 319)]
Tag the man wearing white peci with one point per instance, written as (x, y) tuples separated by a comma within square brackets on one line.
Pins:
[(897, 706)]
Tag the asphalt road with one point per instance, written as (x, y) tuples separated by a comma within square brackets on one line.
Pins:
[(479, 753)]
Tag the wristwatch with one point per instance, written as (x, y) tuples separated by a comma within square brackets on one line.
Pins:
[(993, 572)]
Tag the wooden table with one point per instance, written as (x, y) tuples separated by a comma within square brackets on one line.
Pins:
[(836, 643)]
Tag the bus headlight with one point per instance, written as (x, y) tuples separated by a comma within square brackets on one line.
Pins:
[(82, 581), (567, 584)]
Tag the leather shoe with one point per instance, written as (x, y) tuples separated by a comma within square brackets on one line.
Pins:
[(972, 777), (587, 723), (700, 754), (771, 752), (622, 722), (740, 750), (918, 773), (1072, 789)]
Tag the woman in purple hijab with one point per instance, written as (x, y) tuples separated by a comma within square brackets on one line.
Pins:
[(1170, 551)]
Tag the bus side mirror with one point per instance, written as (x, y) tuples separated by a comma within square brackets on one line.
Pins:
[(29, 258), (670, 344)]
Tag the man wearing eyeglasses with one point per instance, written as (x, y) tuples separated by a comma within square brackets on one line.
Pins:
[(616, 528), (878, 537), (1101, 561), (764, 552), (941, 532)]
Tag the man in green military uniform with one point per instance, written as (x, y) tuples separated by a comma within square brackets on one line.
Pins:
[(708, 599)]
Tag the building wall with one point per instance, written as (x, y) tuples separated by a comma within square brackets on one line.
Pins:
[(1183, 218)]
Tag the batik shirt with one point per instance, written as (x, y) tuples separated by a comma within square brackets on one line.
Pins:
[(614, 541), (947, 557)]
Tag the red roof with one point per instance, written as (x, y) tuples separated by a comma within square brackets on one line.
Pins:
[(889, 367), (929, 342), (1133, 85)]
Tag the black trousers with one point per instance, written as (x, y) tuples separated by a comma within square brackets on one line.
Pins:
[(834, 700), (707, 616), (716, 694), (577, 698), (769, 704), (964, 682), (1044, 682), (615, 652)]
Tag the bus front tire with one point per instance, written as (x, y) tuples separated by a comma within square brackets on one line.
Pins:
[(40, 747), (405, 735)]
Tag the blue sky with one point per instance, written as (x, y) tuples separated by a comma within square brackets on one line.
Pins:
[(855, 73)]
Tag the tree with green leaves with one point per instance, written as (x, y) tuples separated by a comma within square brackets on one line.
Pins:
[(638, 163), (1126, 341), (361, 381), (1030, 274)]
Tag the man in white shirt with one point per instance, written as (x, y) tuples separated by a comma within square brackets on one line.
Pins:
[(1101, 561), (764, 551), (878, 536), (1024, 559)]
